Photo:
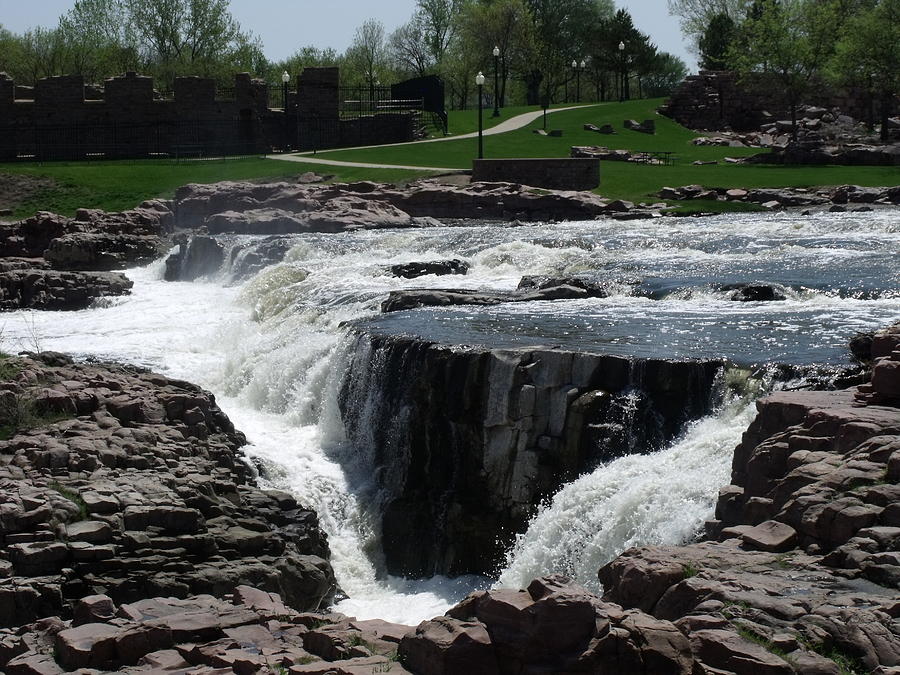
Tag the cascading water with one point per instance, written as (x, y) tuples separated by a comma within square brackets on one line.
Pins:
[(655, 499), (272, 348)]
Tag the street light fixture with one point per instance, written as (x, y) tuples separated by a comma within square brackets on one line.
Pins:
[(496, 53), (581, 68), (622, 75), (285, 78), (479, 82)]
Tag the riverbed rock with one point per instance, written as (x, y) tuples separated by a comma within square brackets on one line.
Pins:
[(555, 626), (288, 207), (40, 288), (754, 292), (126, 484), (56, 263), (121, 235), (91, 251), (206, 634), (197, 257), (531, 289)]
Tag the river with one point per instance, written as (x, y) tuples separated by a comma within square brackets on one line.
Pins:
[(274, 351)]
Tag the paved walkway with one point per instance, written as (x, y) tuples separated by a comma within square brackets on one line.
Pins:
[(512, 124)]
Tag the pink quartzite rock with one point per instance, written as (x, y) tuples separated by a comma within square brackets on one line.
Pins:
[(447, 646), (770, 536)]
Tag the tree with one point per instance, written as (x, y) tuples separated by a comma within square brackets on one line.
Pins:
[(11, 57), (563, 30), (667, 73), (789, 43), (869, 52), (99, 40), (438, 22), (43, 54), (716, 41), (505, 24), (366, 56), (184, 36), (408, 48), (696, 15)]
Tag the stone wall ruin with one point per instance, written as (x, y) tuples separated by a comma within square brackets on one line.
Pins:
[(62, 118)]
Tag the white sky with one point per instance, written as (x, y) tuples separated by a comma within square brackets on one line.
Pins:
[(286, 25)]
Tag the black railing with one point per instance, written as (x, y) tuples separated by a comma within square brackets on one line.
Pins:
[(356, 102)]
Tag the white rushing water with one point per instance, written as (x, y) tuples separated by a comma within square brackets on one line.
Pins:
[(660, 498), (273, 352)]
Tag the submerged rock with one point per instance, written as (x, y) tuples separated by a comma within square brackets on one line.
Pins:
[(531, 289), (413, 270), (755, 292)]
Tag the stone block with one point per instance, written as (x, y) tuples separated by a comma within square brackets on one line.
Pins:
[(770, 536)]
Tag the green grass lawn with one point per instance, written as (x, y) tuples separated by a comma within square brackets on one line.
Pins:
[(116, 186), (623, 180), (466, 121)]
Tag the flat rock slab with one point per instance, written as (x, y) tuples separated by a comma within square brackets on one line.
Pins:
[(770, 536)]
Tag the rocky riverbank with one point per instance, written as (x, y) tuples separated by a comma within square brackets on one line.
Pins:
[(119, 481), (842, 198), (55, 263)]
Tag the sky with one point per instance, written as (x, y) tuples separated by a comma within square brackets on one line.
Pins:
[(286, 25)]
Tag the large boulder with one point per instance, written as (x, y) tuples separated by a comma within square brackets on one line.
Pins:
[(52, 290)]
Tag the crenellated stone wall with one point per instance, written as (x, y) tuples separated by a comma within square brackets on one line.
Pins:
[(63, 118)]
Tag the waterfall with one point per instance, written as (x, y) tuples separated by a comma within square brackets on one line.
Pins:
[(267, 338), (637, 500)]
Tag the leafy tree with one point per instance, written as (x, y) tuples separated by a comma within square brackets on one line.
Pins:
[(716, 41), (668, 72), (11, 54), (789, 43), (43, 54), (366, 58), (696, 15), (505, 24), (563, 30), (178, 37), (438, 22), (869, 52), (99, 39)]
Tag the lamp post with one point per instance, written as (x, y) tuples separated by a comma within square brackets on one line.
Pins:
[(622, 75), (581, 67), (479, 81), (285, 78), (496, 53)]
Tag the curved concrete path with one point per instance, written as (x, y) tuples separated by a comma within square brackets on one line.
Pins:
[(512, 124)]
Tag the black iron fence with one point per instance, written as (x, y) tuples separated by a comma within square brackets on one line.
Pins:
[(356, 102)]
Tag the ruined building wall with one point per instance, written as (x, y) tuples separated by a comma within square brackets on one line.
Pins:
[(64, 119), (715, 100)]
